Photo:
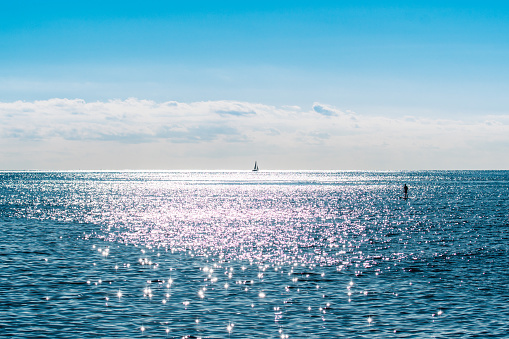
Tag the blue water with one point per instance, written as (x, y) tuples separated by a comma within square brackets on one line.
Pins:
[(254, 255)]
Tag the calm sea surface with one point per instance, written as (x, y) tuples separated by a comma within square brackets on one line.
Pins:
[(254, 254)]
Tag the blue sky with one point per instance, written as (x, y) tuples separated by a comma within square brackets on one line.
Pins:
[(428, 60)]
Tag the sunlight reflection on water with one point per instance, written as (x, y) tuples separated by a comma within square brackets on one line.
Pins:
[(256, 220)]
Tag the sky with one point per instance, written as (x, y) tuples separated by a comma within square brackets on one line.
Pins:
[(294, 85)]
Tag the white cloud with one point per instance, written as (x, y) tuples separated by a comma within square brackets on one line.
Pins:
[(326, 110), (288, 137)]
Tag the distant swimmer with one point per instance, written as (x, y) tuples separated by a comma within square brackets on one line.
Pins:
[(405, 190)]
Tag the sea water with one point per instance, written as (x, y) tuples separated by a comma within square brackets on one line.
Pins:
[(254, 254)]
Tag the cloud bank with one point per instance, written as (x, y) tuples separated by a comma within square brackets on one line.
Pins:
[(134, 133)]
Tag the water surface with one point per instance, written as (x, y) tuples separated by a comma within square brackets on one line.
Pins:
[(264, 254)]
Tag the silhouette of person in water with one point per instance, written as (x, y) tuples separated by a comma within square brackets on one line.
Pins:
[(405, 189)]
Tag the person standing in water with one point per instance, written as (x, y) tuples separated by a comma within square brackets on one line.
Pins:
[(405, 190)]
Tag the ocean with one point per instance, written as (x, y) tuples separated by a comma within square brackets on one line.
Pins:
[(241, 254)]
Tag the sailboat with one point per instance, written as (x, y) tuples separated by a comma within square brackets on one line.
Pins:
[(255, 169)]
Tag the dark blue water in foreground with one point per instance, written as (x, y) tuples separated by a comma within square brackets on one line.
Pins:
[(245, 255)]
